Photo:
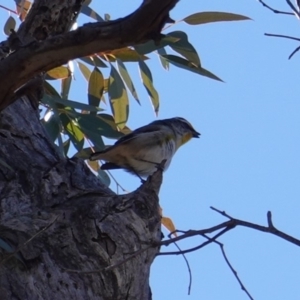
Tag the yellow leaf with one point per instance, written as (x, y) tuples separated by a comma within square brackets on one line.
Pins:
[(59, 73), (94, 165), (124, 54), (168, 223)]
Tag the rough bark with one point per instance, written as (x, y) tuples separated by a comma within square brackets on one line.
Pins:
[(72, 234)]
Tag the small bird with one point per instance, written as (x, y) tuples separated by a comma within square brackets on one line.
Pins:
[(142, 151)]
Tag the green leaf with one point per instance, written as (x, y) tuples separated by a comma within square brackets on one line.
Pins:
[(125, 75), (94, 61), (99, 62), (69, 103), (96, 87), (151, 46), (148, 84), (183, 47), (86, 2), (9, 24), (65, 87), (124, 54), (58, 73), (75, 134), (163, 61), (84, 70), (50, 90), (110, 129), (66, 145), (52, 127), (86, 10), (91, 128), (94, 127), (185, 64), (104, 178), (118, 98), (85, 153), (213, 16), (93, 164)]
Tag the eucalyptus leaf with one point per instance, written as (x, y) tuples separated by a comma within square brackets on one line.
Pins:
[(213, 16), (95, 87), (52, 126), (58, 73), (151, 46), (125, 75), (148, 84), (184, 47), (65, 87), (118, 98), (94, 61), (9, 25), (104, 178), (163, 61), (84, 70), (73, 131), (86, 10), (84, 153), (185, 64)]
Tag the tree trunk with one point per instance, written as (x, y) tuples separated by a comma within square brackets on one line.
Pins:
[(64, 234), (76, 238)]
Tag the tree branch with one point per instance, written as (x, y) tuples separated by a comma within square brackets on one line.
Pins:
[(34, 57), (275, 10)]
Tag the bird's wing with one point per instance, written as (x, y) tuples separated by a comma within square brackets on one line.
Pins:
[(147, 130), (146, 133), (110, 166)]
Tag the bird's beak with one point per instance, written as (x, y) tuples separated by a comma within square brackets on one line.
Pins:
[(196, 134)]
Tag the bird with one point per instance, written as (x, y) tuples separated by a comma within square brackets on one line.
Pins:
[(142, 151)]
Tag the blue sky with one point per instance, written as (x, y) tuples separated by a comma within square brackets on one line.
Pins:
[(247, 160)]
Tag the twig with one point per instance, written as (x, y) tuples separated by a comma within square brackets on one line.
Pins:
[(197, 247), (269, 218), (294, 9), (283, 36), (233, 270), (117, 183), (231, 267), (189, 268), (28, 241), (287, 37), (223, 227), (267, 229), (275, 10), (294, 52), (10, 10)]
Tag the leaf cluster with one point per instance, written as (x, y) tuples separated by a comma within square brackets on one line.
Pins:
[(81, 124)]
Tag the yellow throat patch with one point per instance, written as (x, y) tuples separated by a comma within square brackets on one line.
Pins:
[(186, 137)]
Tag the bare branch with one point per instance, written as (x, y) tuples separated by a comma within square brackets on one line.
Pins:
[(275, 10), (294, 9), (189, 269), (283, 36), (268, 229), (294, 52), (197, 247), (233, 270)]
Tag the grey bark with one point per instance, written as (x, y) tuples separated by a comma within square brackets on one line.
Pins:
[(73, 237)]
